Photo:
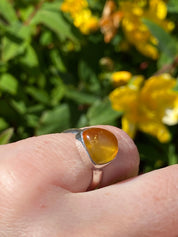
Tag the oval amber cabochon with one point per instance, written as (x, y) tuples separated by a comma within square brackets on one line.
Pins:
[(101, 145)]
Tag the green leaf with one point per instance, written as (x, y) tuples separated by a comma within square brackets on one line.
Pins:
[(26, 12), (7, 11), (80, 97), (172, 6), (88, 76), (15, 41), (39, 95), (164, 60), (30, 58), (11, 48), (32, 120), (82, 121), (172, 156), (102, 113), (176, 86), (52, 6), (8, 83), (58, 92), (54, 20), (46, 38), (6, 135), (57, 60), (3, 124), (166, 43), (19, 106), (37, 108), (53, 121)]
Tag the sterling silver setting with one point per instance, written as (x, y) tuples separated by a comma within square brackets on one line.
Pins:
[(97, 169)]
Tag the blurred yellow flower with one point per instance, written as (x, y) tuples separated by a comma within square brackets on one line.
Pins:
[(135, 31), (81, 14), (121, 77), (85, 21), (148, 108), (74, 7)]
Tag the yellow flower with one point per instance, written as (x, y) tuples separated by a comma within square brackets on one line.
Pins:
[(121, 77), (85, 21), (81, 14), (135, 31), (74, 7), (159, 7), (149, 108)]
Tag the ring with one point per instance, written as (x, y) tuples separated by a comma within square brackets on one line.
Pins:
[(101, 147)]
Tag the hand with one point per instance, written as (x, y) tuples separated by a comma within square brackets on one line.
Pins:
[(42, 192)]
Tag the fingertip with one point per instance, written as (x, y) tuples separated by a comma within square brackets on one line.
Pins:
[(126, 164)]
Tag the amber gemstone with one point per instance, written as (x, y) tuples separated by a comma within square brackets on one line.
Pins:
[(101, 145)]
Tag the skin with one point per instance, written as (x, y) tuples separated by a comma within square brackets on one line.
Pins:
[(43, 183)]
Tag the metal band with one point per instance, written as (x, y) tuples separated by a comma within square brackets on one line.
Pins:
[(96, 179), (97, 172)]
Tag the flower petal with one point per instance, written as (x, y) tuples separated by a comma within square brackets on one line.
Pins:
[(128, 126), (171, 115), (124, 99), (156, 129), (121, 77)]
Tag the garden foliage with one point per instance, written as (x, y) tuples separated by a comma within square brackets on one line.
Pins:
[(66, 63)]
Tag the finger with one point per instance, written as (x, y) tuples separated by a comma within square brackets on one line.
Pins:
[(55, 159), (143, 206)]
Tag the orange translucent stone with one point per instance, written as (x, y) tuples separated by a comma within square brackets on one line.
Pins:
[(101, 145)]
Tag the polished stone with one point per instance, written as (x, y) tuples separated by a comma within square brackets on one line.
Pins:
[(101, 145)]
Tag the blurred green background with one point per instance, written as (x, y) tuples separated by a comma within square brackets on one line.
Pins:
[(53, 76)]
